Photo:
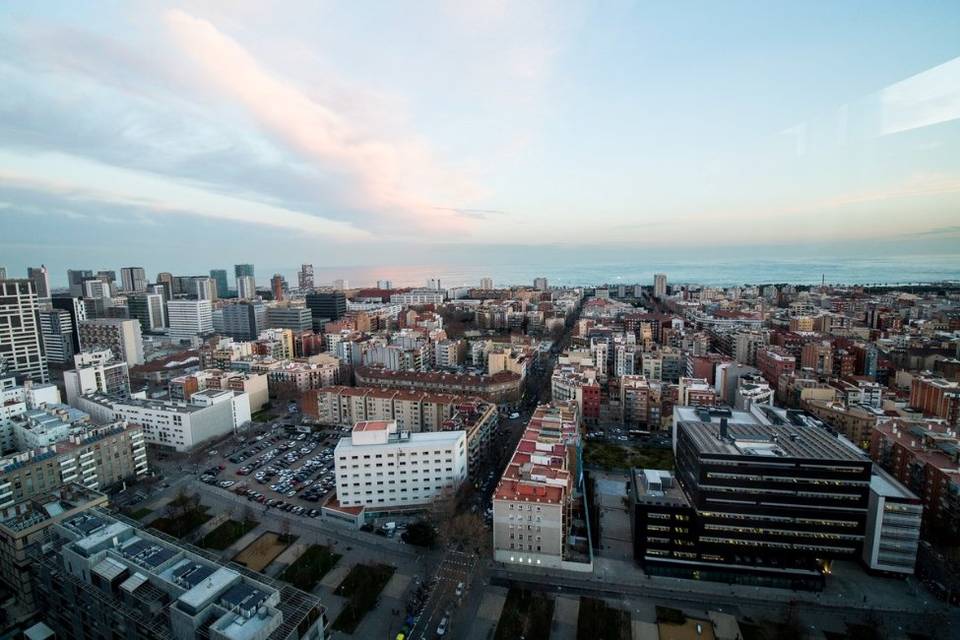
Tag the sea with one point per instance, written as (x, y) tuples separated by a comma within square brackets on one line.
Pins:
[(719, 273)]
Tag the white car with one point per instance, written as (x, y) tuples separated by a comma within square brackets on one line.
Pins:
[(459, 590), (514, 415), (442, 628)]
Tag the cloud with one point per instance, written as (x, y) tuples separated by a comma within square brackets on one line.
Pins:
[(479, 214), (940, 231), (396, 176)]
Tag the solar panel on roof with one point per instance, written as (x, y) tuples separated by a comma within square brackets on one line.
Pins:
[(244, 597)]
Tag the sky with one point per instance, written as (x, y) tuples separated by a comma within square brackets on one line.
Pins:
[(203, 134)]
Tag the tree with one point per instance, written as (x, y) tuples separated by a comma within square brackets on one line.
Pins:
[(421, 533)]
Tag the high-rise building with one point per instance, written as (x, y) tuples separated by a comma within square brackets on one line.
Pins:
[(110, 279), (77, 310), (305, 278), (189, 319), (95, 288), (202, 287), (97, 372), (157, 588), (56, 330), (433, 283), (166, 279), (242, 321), (75, 278), (3, 273), (246, 288), (41, 281), (148, 309), (297, 319), (325, 306), (122, 337), (20, 340), (220, 277), (277, 285), (340, 284), (486, 284), (133, 279), (240, 270), (540, 284), (384, 284), (659, 285)]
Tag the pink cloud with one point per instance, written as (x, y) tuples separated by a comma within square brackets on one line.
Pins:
[(391, 175)]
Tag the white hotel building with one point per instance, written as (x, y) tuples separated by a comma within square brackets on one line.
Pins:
[(380, 467)]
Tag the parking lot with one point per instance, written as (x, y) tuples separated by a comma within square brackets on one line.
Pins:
[(278, 467)]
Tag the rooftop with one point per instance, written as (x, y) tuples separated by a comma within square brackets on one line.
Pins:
[(767, 440)]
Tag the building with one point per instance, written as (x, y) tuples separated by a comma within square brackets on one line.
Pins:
[(20, 340), (540, 284), (133, 279), (936, 397), (501, 388), (75, 278), (659, 285), (220, 278), (242, 270), (818, 357), (253, 384), (246, 287), (77, 310), (893, 526), (56, 330), (417, 297), (98, 457), (147, 309), (97, 372), (123, 337), (189, 319), (26, 523), (640, 404), (380, 467), (746, 344), (241, 321), (277, 285), (479, 421), (41, 281), (696, 392), (305, 278), (325, 306), (16, 400), (855, 422), (201, 288), (774, 362), (180, 426), (106, 577), (540, 495), (297, 319), (486, 284), (413, 411), (300, 377)]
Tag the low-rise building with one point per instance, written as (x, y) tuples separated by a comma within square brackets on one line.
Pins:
[(479, 421), (500, 388), (97, 372), (253, 384)]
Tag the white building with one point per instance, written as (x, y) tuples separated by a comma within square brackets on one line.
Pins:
[(384, 284), (659, 285), (123, 337), (96, 372), (486, 284), (381, 467), (209, 414), (20, 334), (189, 318), (16, 400), (246, 287), (418, 296)]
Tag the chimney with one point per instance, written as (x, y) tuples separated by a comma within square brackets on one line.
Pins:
[(723, 428)]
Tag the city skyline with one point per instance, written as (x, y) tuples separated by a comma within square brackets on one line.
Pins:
[(150, 130)]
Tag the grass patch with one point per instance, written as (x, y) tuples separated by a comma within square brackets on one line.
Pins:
[(226, 534), (526, 614), (140, 513), (264, 550), (597, 621), (183, 524), (609, 456), (307, 570), (362, 586)]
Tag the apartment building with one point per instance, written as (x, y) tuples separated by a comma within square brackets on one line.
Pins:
[(180, 426), (936, 397), (106, 577), (539, 496), (253, 384), (479, 421), (20, 338), (501, 388), (56, 330), (304, 376), (381, 467), (97, 372), (122, 337), (855, 422), (189, 319), (774, 362)]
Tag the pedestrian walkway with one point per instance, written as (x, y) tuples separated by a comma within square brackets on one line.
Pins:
[(488, 614), (566, 609)]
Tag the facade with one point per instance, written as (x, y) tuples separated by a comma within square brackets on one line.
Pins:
[(242, 321), (479, 421), (297, 319), (220, 278), (77, 310), (413, 411), (253, 384), (133, 279), (936, 397), (97, 372), (56, 329), (500, 388), (659, 285), (189, 319), (325, 306), (181, 426), (106, 577), (855, 422), (147, 308), (418, 297), (41, 281), (305, 277), (304, 376), (122, 337), (893, 526), (540, 284), (538, 496), (382, 467), (774, 362), (246, 287), (20, 340), (27, 523)]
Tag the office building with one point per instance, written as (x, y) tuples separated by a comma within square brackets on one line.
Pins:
[(21, 347), (385, 285), (148, 310), (189, 319), (277, 286), (242, 270), (56, 331), (246, 288), (380, 467), (26, 524), (75, 278), (540, 284), (133, 279), (659, 285), (305, 278), (340, 284), (540, 494), (41, 281), (297, 319), (220, 279), (123, 337), (180, 426), (241, 321), (110, 279), (97, 372), (77, 310), (107, 578), (486, 284), (325, 306), (96, 289)]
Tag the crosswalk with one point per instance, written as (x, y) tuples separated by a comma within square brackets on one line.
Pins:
[(456, 569)]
